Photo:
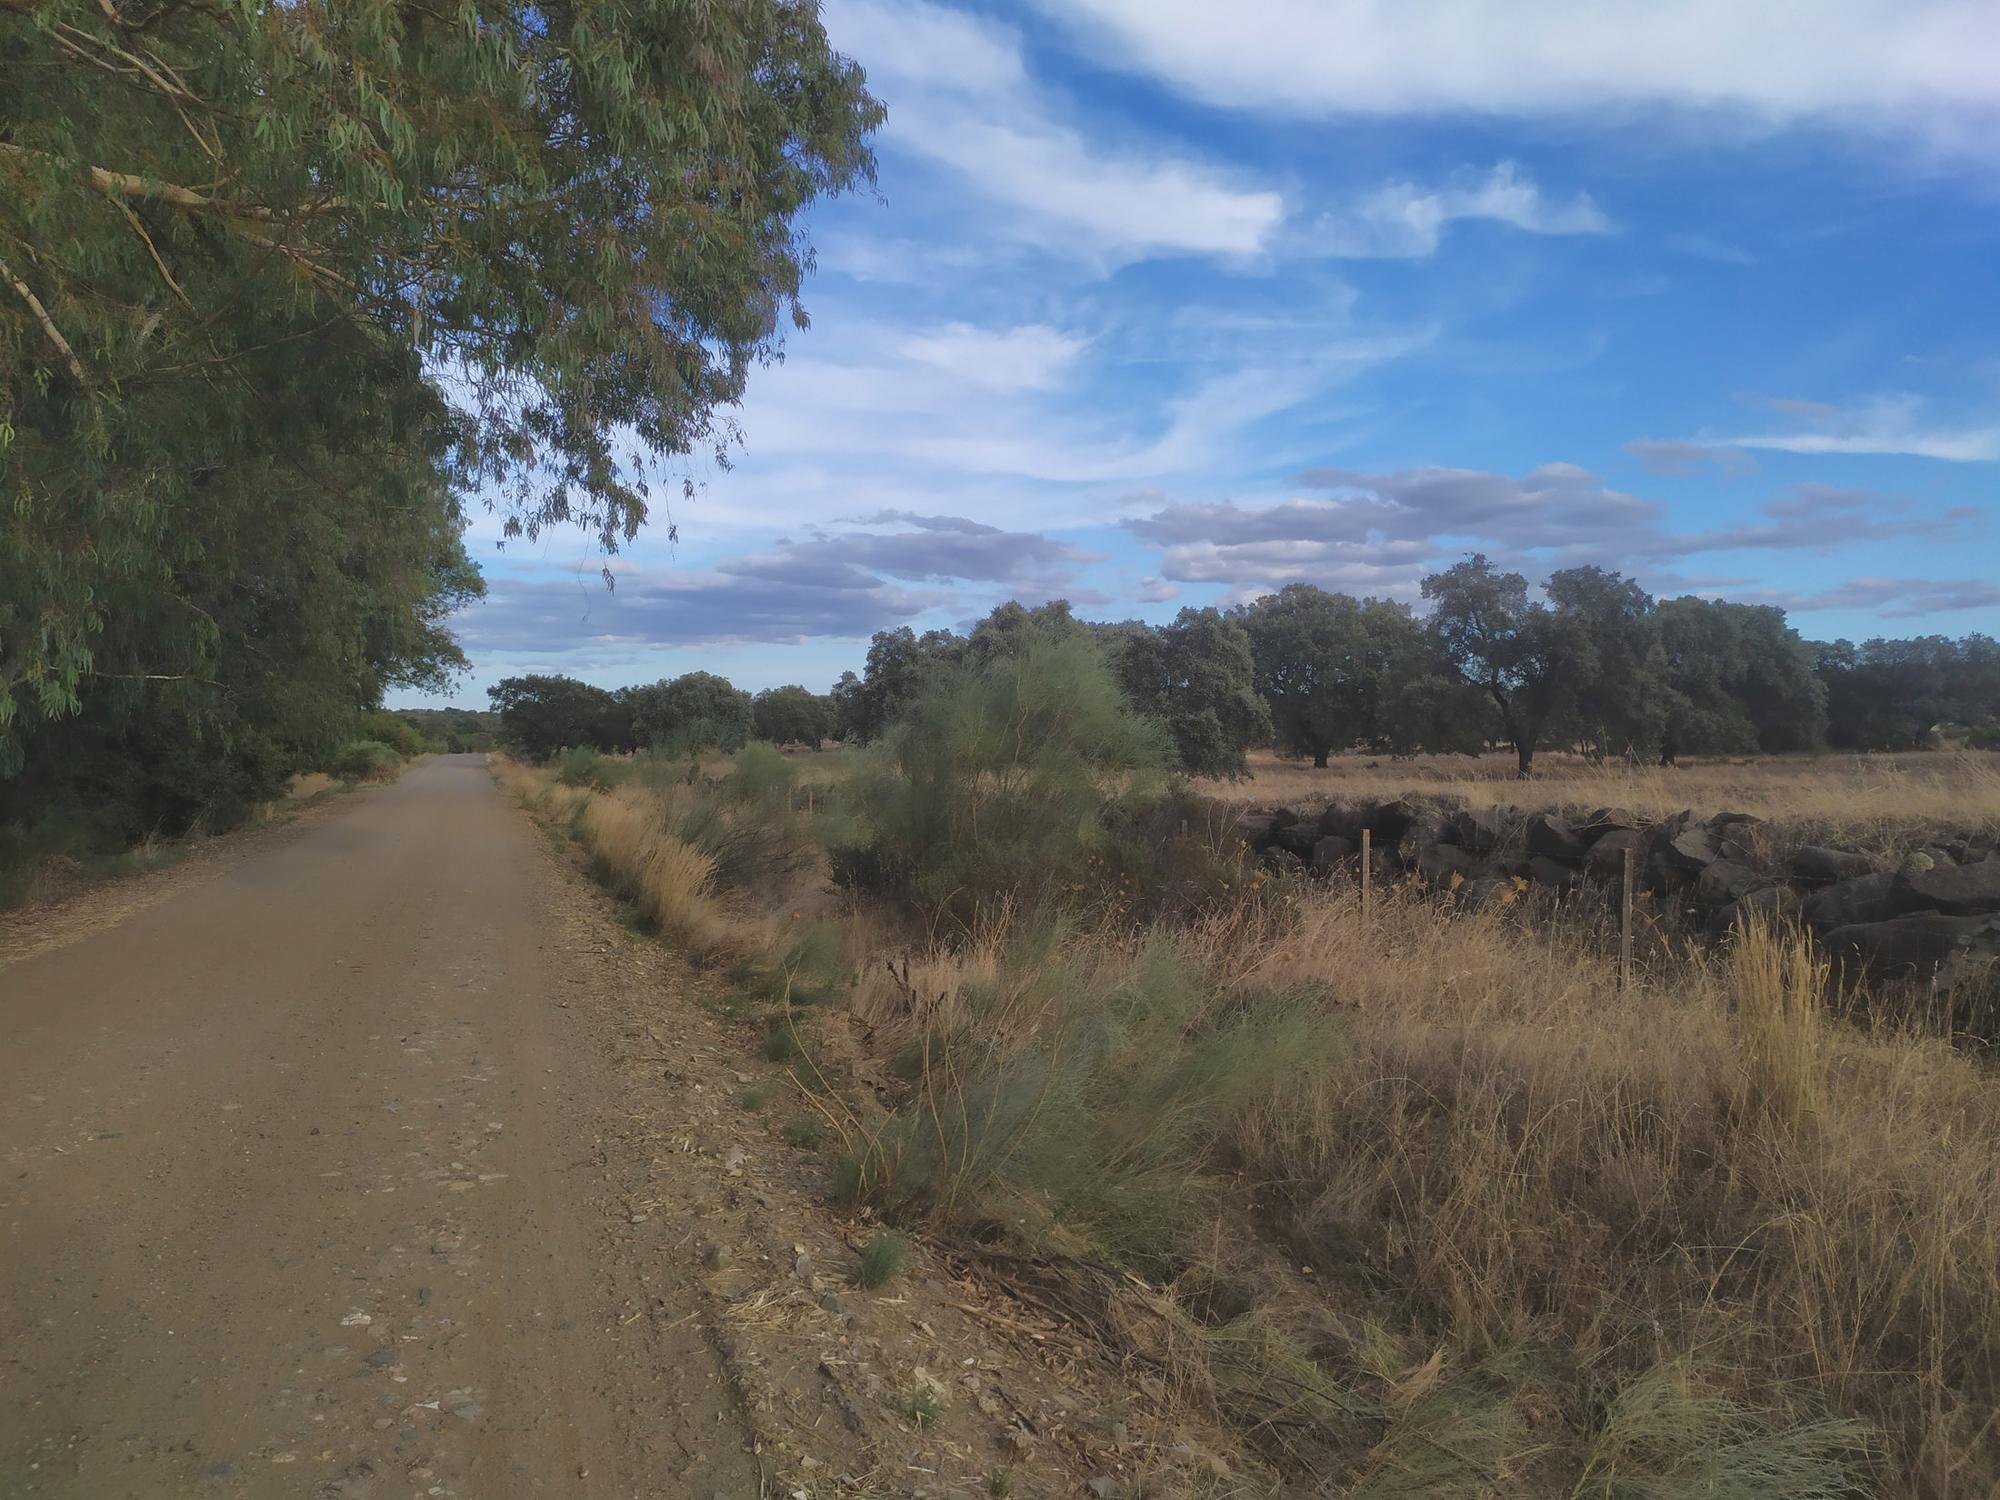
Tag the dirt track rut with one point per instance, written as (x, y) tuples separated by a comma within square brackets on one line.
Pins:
[(298, 1194)]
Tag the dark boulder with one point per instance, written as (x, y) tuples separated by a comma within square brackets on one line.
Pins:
[(1480, 829), (1553, 872), (1280, 861), (1727, 881), (1343, 820), (1774, 904), (1605, 820), (1389, 821), (1900, 945), (1330, 853), (1552, 837), (1866, 898), (1606, 858), (1253, 826), (1439, 863), (1815, 862), (1728, 822), (1956, 890), (1283, 817), (1418, 835), (1296, 838), (1685, 852), (1666, 876)]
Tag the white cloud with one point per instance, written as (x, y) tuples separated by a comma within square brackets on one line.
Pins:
[(1927, 63), (960, 95), (1887, 425), (1029, 358), (1401, 220), (1887, 598), (1380, 533), (1684, 459)]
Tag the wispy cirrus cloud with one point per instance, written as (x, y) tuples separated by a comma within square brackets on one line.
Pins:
[(1402, 220), (1885, 598), (1907, 65), (1888, 425), (1681, 458), (1030, 357), (962, 97)]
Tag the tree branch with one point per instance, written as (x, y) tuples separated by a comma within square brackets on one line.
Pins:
[(130, 185), (48, 324)]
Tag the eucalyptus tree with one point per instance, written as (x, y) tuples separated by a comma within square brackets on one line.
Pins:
[(522, 249)]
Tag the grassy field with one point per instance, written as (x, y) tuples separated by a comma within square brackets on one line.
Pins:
[(1420, 1200), (1859, 794)]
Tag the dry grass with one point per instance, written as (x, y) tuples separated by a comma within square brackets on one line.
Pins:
[(1444, 1212), (1707, 1173), (667, 881), (1854, 797), (1562, 1212)]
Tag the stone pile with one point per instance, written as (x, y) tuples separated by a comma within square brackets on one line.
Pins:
[(1933, 912)]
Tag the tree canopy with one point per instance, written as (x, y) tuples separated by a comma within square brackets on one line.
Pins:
[(689, 714), (1329, 666), (279, 285), (543, 714), (790, 715), (1196, 678)]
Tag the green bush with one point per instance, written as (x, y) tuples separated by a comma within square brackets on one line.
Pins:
[(1103, 1111), (993, 786), (389, 729), (762, 777), (363, 760), (584, 767), (882, 1259)]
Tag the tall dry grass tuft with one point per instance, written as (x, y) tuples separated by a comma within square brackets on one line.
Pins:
[(1779, 984), (636, 853), (668, 881)]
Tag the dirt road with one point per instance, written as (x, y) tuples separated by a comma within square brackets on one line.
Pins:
[(299, 1195)]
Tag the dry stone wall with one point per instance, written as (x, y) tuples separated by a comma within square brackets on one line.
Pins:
[(1931, 912)]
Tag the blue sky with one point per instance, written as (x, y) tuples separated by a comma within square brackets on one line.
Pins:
[(1164, 302)]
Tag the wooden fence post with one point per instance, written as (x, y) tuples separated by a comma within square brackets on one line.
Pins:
[(1625, 922), (1367, 874)]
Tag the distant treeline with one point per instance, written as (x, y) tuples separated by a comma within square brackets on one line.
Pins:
[(1601, 667)]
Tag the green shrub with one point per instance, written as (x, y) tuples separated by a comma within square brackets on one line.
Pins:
[(582, 766), (882, 1259), (395, 732), (754, 843), (781, 1042), (1095, 1092), (363, 760), (762, 777), (992, 787), (804, 1134)]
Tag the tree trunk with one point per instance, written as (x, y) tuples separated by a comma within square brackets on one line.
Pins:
[(1319, 760), (1524, 756)]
